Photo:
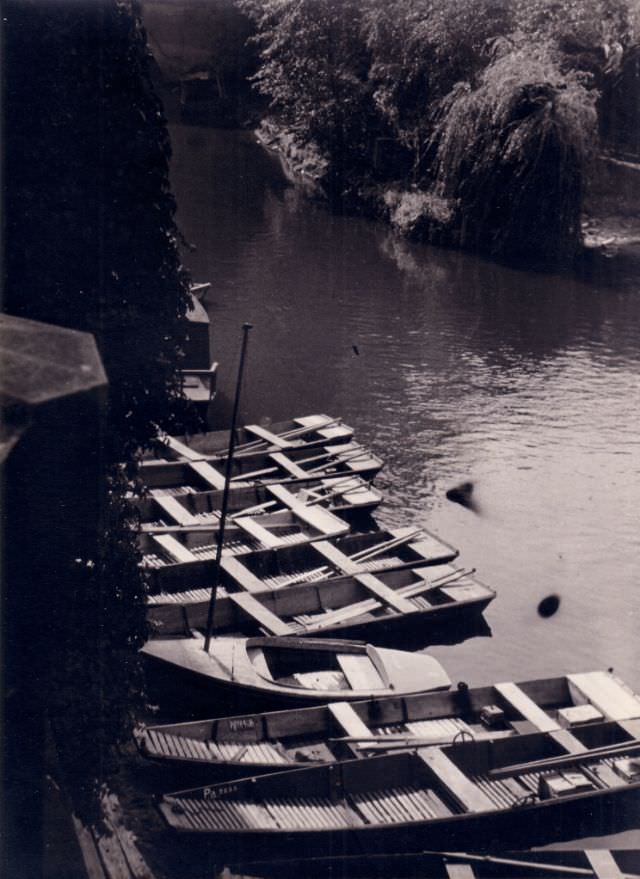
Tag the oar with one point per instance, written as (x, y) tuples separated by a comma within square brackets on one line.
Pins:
[(363, 555), (335, 459), (564, 759), (513, 862), (253, 445), (253, 474), (369, 604), (259, 508), (371, 552)]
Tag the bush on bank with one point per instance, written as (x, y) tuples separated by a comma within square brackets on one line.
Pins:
[(474, 121)]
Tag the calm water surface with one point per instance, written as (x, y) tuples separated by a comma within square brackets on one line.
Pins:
[(528, 385)]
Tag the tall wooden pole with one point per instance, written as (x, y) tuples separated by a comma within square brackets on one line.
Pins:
[(225, 495)]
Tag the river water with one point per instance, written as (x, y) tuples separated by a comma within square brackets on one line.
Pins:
[(453, 369)]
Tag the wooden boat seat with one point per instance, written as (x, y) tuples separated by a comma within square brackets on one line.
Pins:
[(607, 693), (288, 465), (254, 529), (241, 574), (176, 511), (360, 672), (463, 790), (384, 593), (397, 804), (526, 707), (337, 558), (312, 813), (173, 548), (459, 871), (254, 609), (348, 721), (603, 864), (269, 437), (209, 474), (176, 449), (568, 741)]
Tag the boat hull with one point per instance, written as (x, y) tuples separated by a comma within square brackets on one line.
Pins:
[(517, 828)]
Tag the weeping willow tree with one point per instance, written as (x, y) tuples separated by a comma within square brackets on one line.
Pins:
[(511, 159), (90, 244)]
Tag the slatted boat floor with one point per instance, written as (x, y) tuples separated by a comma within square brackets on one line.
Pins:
[(379, 563), (393, 805), (165, 744), (185, 595), (384, 806), (174, 491)]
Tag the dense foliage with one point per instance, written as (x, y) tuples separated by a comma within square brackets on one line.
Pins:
[(90, 244), (479, 116)]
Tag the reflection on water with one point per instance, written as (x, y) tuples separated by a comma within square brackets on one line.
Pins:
[(453, 369)]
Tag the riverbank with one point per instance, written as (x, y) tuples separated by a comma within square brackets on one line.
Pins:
[(610, 251)]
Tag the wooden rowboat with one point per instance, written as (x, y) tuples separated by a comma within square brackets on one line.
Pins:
[(256, 743), (346, 496), (375, 607), (283, 671), (347, 459), (356, 553), (305, 432), (469, 796), (168, 545)]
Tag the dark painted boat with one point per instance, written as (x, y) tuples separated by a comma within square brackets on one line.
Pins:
[(347, 496), (305, 432), (347, 459), (479, 796), (378, 607), (357, 553), (230, 747), (282, 672)]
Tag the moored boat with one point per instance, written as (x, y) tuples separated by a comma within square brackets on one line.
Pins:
[(304, 432), (479, 796), (283, 671), (346, 496), (362, 605), (347, 459), (170, 545), (356, 553), (257, 743)]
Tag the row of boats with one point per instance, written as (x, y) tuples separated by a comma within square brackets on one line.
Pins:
[(296, 741)]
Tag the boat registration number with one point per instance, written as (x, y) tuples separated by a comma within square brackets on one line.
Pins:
[(214, 793)]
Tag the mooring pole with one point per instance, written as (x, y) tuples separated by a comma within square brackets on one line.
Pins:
[(225, 493)]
